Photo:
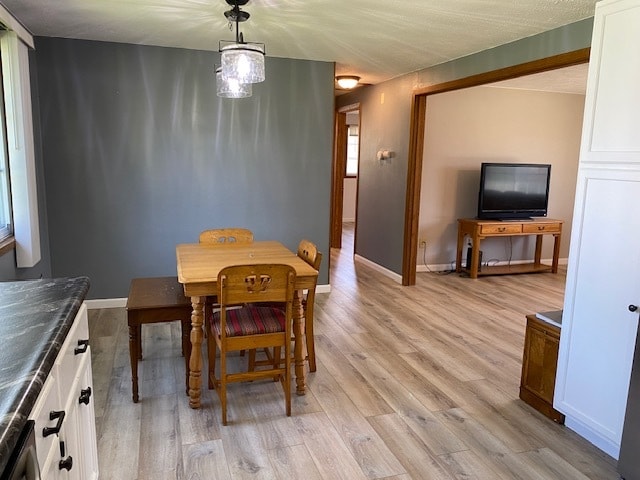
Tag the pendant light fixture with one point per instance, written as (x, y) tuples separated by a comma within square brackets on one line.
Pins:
[(242, 61)]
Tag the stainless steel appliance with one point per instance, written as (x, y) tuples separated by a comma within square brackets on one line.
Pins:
[(23, 464)]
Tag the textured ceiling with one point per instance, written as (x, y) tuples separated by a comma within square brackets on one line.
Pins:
[(564, 80), (375, 39)]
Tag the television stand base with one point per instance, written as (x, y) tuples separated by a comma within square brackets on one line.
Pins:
[(478, 230)]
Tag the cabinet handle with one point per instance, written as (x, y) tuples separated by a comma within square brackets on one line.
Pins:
[(540, 227), (66, 463), (633, 308), (46, 431), (85, 395), (82, 347), (501, 229)]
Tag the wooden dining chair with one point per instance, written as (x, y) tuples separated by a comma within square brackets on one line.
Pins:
[(307, 251), (252, 326), (221, 235), (226, 235)]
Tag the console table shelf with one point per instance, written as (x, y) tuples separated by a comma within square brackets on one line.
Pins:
[(477, 230)]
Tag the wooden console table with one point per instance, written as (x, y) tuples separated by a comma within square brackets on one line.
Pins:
[(480, 229)]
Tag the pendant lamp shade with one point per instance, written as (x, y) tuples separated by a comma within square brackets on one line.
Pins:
[(231, 88), (243, 62)]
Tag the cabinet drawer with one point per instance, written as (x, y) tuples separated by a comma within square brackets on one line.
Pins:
[(494, 229), (73, 350), (541, 228)]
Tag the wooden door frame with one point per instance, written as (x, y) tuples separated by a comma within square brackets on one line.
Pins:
[(416, 139), (338, 171)]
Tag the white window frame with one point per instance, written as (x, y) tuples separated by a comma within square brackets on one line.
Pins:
[(14, 50), (6, 220)]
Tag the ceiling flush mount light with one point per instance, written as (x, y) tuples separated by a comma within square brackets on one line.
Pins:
[(231, 88), (347, 81), (242, 61)]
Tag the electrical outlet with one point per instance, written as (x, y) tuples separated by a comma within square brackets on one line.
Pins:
[(422, 243)]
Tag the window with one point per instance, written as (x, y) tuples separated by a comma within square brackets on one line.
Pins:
[(21, 184), (6, 229), (353, 140)]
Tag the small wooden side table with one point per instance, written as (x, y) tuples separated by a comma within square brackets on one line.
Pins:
[(154, 300), (478, 230), (539, 363)]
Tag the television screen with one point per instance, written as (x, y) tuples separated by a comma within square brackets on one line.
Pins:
[(513, 190)]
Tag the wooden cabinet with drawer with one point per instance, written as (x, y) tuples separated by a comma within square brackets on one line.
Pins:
[(539, 363), (477, 230)]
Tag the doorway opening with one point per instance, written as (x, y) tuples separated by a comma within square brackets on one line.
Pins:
[(346, 161), (416, 140)]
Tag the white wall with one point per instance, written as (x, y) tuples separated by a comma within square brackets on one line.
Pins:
[(349, 199), (489, 124)]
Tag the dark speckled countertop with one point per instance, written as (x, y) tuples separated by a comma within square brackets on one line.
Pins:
[(35, 317)]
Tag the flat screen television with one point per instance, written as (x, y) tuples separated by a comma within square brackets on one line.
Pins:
[(511, 191)]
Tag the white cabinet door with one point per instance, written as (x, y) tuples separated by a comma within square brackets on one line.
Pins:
[(612, 104), (598, 330), (88, 451), (49, 470), (70, 457), (46, 439)]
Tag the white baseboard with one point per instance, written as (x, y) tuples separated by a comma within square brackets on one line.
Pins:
[(106, 303), (436, 267), (592, 436), (122, 302), (443, 267), (379, 268)]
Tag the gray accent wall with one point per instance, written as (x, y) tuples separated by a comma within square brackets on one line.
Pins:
[(385, 111), (140, 155)]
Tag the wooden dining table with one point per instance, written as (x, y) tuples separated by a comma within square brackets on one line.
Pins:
[(198, 267)]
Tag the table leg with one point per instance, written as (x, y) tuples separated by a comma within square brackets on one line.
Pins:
[(459, 247), (186, 349), (133, 357), (195, 360), (475, 258), (139, 333), (538, 252), (298, 318), (556, 253)]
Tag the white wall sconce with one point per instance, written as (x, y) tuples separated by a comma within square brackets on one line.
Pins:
[(384, 156)]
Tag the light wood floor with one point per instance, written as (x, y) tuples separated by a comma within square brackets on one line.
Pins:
[(412, 383)]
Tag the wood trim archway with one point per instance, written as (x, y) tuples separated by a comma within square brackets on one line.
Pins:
[(416, 139), (337, 186), (338, 169)]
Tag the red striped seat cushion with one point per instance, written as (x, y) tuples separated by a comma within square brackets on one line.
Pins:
[(250, 320)]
